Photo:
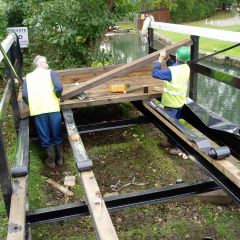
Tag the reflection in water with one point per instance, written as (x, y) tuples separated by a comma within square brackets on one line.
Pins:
[(124, 48), (219, 97), (216, 96)]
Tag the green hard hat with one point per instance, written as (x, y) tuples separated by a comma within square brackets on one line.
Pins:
[(183, 53)]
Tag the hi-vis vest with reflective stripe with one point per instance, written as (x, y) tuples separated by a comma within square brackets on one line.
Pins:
[(41, 96), (175, 91)]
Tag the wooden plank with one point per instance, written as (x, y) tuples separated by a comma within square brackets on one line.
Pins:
[(229, 166), (121, 70), (133, 81), (102, 100), (77, 76), (102, 222), (16, 224)]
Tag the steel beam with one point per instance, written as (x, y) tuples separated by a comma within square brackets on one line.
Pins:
[(221, 180), (53, 214)]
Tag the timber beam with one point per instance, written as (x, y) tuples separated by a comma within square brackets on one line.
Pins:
[(121, 70), (17, 216), (102, 222)]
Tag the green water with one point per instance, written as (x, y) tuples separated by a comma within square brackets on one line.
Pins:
[(216, 96)]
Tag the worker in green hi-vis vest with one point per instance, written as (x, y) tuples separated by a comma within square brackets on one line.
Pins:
[(41, 91), (176, 79)]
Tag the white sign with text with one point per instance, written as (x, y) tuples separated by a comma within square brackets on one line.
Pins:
[(22, 33)]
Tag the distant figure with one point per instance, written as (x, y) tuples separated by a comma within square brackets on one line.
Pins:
[(176, 78), (41, 91)]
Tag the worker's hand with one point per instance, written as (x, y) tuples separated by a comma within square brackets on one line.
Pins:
[(162, 56)]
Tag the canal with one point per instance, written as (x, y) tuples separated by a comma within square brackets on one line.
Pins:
[(213, 95)]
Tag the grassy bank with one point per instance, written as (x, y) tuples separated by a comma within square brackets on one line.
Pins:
[(206, 44)]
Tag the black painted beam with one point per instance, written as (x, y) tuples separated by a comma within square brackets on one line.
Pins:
[(111, 125), (53, 214), (220, 179)]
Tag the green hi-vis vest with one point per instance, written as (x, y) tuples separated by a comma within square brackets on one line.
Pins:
[(41, 96), (175, 91)]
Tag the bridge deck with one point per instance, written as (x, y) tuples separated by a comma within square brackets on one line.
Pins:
[(100, 94)]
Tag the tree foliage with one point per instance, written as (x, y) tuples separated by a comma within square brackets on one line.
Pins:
[(3, 20), (68, 32)]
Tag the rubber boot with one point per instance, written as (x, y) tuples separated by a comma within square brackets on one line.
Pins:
[(50, 161), (59, 154)]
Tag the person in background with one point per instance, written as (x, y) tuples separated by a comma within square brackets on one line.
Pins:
[(176, 79), (41, 90)]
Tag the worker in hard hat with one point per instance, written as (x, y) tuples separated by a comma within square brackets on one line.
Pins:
[(176, 78), (41, 91)]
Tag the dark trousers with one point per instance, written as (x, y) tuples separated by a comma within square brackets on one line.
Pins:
[(174, 113), (49, 128)]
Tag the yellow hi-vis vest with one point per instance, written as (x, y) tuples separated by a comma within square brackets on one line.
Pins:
[(175, 92), (41, 96)]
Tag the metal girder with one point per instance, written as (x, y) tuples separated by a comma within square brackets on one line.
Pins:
[(52, 214), (221, 180), (111, 125)]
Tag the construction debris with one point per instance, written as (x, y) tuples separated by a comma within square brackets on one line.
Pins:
[(115, 187), (60, 188), (70, 181)]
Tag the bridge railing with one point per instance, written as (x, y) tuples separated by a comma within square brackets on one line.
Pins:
[(11, 47)]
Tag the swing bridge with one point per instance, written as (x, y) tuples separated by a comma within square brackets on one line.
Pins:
[(214, 146)]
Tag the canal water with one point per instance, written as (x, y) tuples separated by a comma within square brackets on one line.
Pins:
[(216, 96)]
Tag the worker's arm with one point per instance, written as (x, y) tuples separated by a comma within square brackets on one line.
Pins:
[(25, 92), (58, 88), (163, 74)]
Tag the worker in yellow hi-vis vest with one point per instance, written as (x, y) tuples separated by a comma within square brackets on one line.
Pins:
[(41, 91), (176, 79)]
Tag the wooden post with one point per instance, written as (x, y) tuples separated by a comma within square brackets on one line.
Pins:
[(5, 179), (150, 40), (194, 75)]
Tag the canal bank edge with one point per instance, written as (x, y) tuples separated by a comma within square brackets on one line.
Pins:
[(218, 59)]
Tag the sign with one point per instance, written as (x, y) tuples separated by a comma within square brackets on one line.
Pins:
[(22, 33)]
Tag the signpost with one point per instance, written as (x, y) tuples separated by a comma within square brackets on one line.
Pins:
[(22, 33)]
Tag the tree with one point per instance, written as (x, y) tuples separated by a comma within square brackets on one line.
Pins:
[(68, 32), (3, 21)]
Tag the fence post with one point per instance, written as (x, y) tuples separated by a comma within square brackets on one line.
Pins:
[(150, 40), (194, 75)]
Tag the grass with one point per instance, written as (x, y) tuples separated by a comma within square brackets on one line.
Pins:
[(206, 44), (221, 15), (124, 25)]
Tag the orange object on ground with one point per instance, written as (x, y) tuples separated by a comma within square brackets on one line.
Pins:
[(118, 88)]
